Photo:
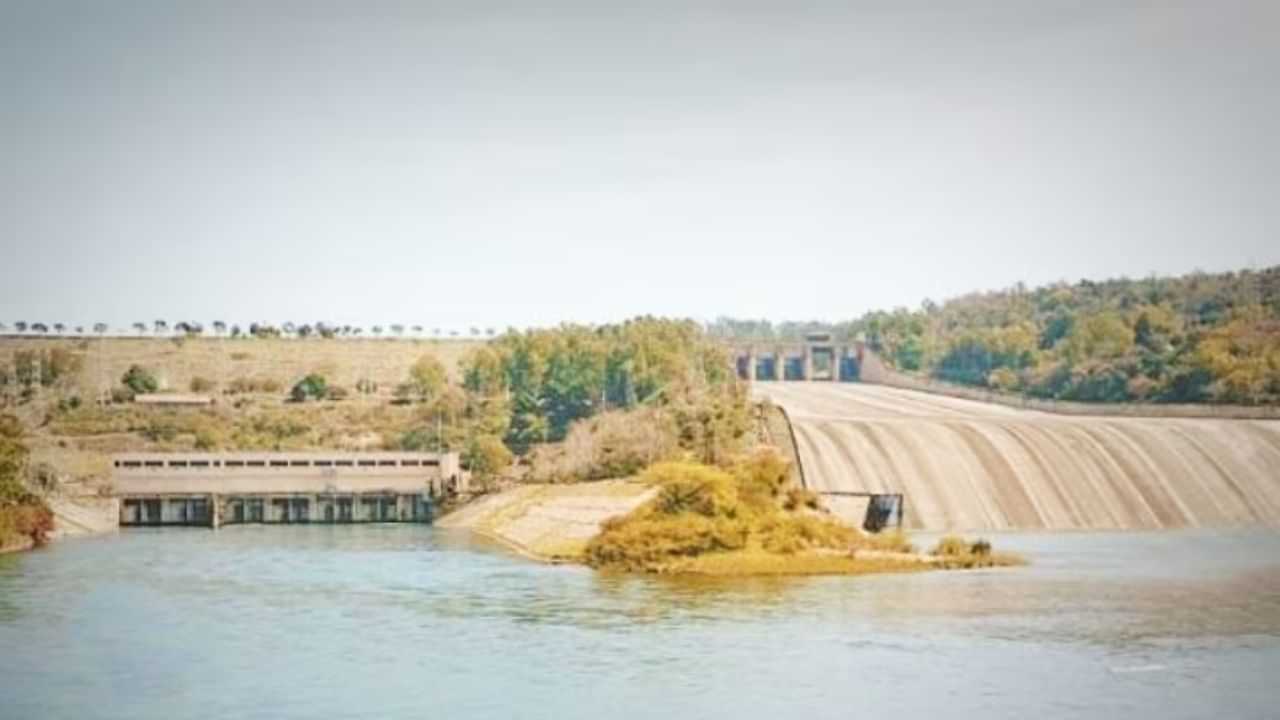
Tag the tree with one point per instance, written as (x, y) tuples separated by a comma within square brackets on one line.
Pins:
[(40, 328), (486, 457), (59, 327), (140, 328), (398, 329), (417, 330), (20, 326), (376, 330), (288, 328), (1102, 336), (219, 328), (160, 327), (100, 328), (427, 378), (139, 380)]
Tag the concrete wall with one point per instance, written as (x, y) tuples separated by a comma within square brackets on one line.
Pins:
[(293, 508), (275, 473), (778, 361)]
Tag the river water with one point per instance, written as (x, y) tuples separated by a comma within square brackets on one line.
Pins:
[(416, 622)]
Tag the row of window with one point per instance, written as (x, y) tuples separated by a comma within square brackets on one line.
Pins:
[(408, 462)]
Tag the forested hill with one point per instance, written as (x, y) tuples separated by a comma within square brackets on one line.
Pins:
[(1195, 338)]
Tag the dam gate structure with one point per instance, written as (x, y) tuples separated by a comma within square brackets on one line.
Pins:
[(212, 489), (817, 358)]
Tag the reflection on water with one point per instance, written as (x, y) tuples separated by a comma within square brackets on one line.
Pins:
[(406, 621)]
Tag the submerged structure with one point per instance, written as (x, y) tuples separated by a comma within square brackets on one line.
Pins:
[(214, 489)]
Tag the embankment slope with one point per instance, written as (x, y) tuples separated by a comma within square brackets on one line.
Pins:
[(549, 522), (965, 465)]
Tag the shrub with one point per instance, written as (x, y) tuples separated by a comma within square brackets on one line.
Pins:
[(28, 518), (701, 509), (486, 456), (161, 429), (611, 445), (956, 552), (761, 477), (648, 543), (139, 380), (243, 385), (799, 498), (22, 514), (337, 392), (950, 546), (788, 534), (201, 384), (311, 387), (693, 488)]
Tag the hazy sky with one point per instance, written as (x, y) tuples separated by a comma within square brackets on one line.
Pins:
[(525, 163)]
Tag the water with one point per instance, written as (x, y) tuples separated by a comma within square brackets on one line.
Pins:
[(414, 622)]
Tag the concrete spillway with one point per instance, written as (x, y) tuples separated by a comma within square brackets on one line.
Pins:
[(965, 465)]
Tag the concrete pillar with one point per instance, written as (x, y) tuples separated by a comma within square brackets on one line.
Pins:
[(779, 365), (808, 362), (215, 511), (751, 364)]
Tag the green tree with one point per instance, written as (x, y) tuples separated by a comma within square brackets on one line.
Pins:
[(139, 380), (311, 387)]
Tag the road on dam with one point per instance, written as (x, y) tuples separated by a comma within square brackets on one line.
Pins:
[(967, 465)]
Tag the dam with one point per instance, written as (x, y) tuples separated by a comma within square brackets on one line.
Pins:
[(967, 465), (211, 490)]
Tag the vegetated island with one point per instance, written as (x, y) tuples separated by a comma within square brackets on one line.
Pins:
[(686, 517)]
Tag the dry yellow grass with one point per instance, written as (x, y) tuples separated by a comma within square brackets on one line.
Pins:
[(177, 361), (76, 442), (761, 563)]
